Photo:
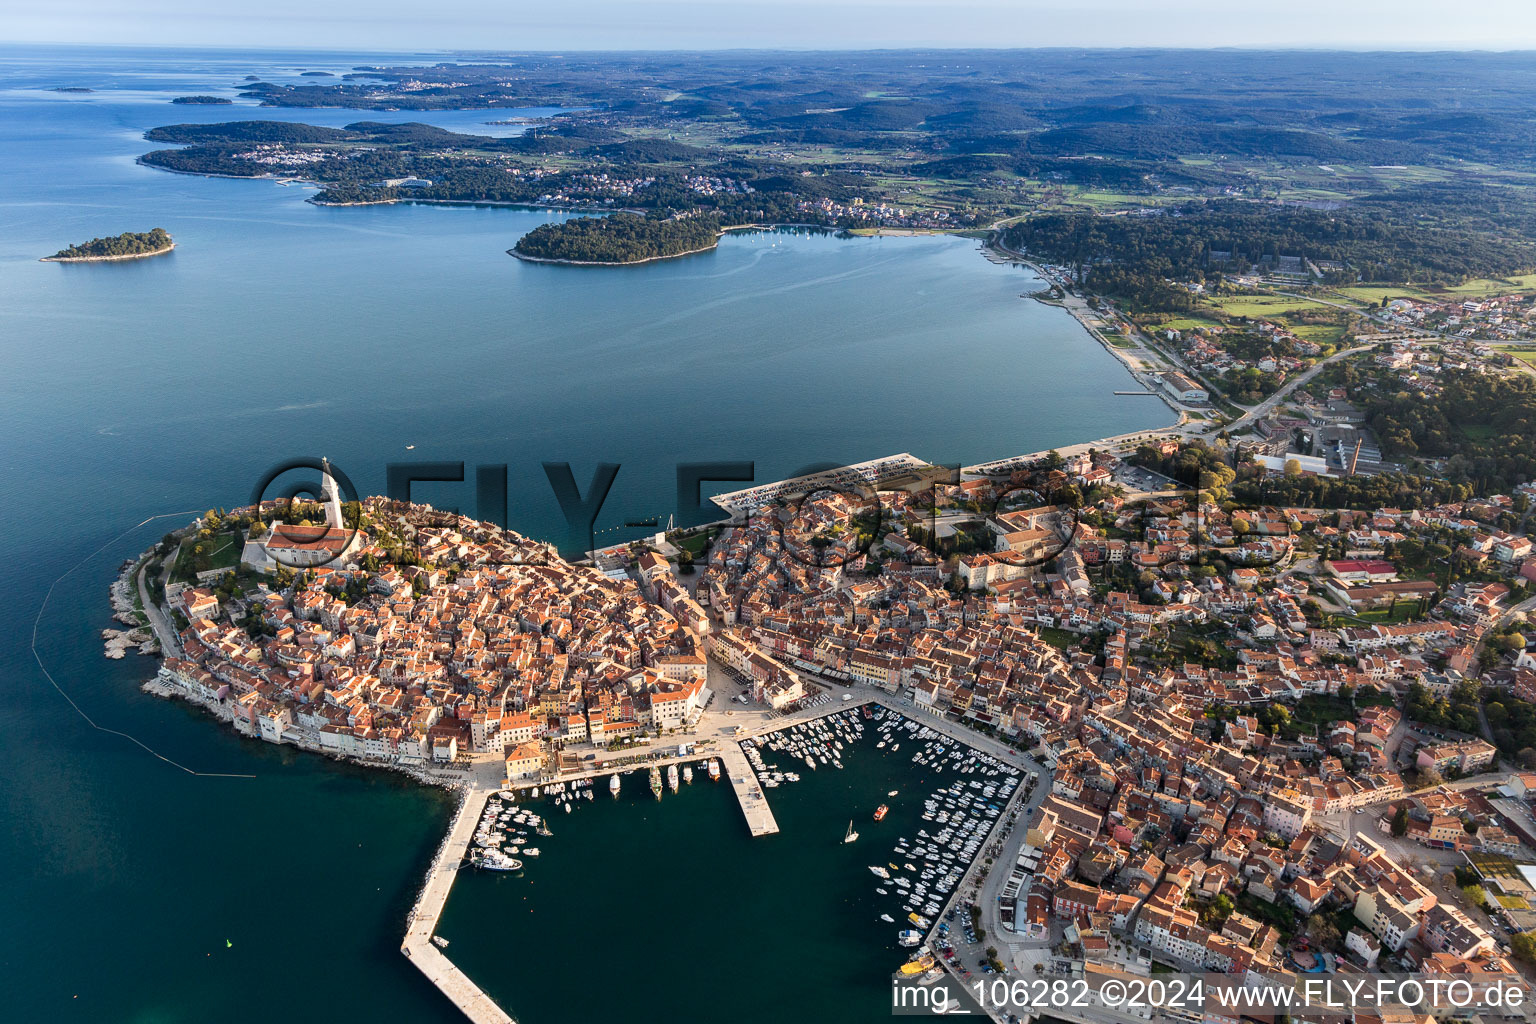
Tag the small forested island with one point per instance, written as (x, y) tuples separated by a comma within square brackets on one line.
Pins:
[(130, 245), (71, 88), (619, 238), (203, 100)]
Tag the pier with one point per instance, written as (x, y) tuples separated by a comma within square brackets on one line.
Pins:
[(754, 803), (441, 971)]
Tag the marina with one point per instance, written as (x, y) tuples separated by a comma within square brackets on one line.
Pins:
[(917, 803)]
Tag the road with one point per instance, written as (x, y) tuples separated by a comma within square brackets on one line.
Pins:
[(1264, 408), (165, 631)]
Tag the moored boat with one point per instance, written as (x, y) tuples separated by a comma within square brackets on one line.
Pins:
[(613, 784), (714, 769), (881, 812), (917, 966)]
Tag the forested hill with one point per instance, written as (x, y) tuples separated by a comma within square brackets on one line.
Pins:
[(620, 238), (129, 243), (1396, 239)]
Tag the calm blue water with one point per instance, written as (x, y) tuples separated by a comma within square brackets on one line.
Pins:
[(280, 329)]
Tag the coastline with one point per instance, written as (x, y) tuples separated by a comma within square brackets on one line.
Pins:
[(993, 244), (106, 259), (157, 686)]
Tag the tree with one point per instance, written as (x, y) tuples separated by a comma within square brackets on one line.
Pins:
[(1293, 467), (1322, 932), (1400, 821), (1475, 895), (1430, 776), (1523, 945)]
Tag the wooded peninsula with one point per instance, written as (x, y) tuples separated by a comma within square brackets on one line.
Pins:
[(620, 238)]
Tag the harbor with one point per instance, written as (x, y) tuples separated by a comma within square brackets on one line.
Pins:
[(919, 797)]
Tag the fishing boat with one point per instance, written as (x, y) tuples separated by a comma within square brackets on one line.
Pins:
[(850, 835), (917, 966), (567, 808), (672, 777), (614, 784), (714, 770), (688, 774), (879, 871), (909, 937), (919, 920), (656, 782), (881, 812), (439, 942), (531, 851)]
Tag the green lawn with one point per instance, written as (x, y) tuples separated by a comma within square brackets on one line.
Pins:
[(1385, 616), (693, 543), (1493, 286), (1527, 356), (1321, 334), (1261, 305), (1319, 708), (1372, 294), (221, 551), (1059, 638), (1183, 323)]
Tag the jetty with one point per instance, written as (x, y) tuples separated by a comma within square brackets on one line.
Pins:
[(441, 971), (749, 792)]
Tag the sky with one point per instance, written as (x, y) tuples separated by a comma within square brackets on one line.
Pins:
[(401, 25)]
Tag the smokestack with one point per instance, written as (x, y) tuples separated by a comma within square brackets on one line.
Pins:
[(1354, 460)]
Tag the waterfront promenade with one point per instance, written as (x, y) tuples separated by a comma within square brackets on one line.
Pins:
[(441, 971)]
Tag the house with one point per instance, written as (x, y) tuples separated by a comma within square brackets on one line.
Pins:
[(524, 761)]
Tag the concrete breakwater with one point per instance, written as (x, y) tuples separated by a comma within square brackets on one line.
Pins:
[(422, 922)]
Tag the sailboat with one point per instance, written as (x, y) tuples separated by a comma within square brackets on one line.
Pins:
[(851, 835)]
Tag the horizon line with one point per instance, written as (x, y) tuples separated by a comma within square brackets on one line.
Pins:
[(1343, 48)]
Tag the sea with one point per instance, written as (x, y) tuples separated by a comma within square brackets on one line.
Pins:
[(146, 880)]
